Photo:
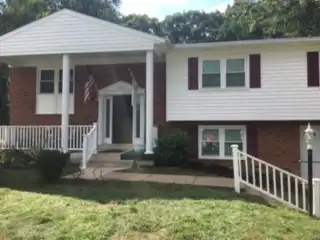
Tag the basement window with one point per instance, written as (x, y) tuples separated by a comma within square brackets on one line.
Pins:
[(215, 141)]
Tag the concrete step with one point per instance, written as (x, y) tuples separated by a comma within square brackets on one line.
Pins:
[(108, 160)]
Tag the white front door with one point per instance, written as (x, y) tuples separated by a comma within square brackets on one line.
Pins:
[(107, 119), (304, 154), (138, 122)]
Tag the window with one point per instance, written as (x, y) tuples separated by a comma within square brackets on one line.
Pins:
[(216, 141), (71, 81), (223, 73), (210, 144), (49, 86), (235, 76), (211, 76), (232, 136), (47, 81)]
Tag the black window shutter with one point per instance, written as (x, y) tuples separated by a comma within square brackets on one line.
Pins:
[(255, 71), (193, 73)]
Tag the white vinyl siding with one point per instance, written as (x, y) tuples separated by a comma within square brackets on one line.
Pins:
[(70, 32), (284, 93), (49, 97), (215, 141)]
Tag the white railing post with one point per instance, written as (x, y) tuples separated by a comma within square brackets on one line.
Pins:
[(84, 152), (7, 137), (95, 126), (316, 197), (235, 158)]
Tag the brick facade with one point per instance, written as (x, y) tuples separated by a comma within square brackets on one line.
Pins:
[(23, 93), (277, 142)]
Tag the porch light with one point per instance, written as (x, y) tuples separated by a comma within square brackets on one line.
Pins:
[(309, 133)]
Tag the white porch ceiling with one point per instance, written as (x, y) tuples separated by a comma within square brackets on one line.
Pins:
[(69, 32)]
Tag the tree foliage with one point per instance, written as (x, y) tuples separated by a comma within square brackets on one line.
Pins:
[(263, 19)]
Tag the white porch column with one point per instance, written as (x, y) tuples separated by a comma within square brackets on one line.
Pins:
[(149, 100), (142, 118), (65, 102), (134, 124), (101, 128)]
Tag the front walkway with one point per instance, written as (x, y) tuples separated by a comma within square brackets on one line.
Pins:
[(106, 174), (105, 166)]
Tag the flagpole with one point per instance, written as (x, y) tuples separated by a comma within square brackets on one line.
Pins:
[(134, 88)]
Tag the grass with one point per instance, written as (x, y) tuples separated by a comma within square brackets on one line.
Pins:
[(138, 210)]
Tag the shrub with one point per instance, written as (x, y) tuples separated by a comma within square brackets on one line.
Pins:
[(172, 150), (51, 163), (14, 158)]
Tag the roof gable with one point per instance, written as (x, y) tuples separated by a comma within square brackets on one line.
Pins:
[(67, 31), (119, 88)]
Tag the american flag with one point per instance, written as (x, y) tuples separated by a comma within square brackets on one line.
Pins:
[(89, 88), (134, 88)]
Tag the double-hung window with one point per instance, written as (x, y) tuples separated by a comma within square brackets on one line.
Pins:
[(223, 73), (71, 81), (211, 73), (235, 73), (215, 141), (49, 89), (47, 79)]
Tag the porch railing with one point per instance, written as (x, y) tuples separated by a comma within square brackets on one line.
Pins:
[(273, 182), (46, 137), (90, 145)]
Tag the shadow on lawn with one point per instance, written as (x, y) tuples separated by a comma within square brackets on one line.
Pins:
[(105, 192)]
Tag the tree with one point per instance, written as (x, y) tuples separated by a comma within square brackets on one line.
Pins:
[(192, 26), (143, 23)]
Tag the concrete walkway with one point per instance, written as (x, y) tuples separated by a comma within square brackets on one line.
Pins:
[(104, 166), (110, 174)]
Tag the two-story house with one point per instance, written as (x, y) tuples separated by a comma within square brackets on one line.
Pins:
[(259, 94)]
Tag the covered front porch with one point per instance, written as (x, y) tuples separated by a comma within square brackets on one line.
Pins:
[(121, 112), (48, 83)]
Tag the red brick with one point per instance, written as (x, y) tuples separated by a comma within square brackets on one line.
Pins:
[(278, 142), (23, 93)]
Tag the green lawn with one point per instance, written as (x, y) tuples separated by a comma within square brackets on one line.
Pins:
[(127, 210)]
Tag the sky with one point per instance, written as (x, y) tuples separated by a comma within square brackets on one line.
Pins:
[(161, 8)]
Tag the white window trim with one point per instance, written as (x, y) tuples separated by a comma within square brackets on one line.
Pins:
[(56, 93), (223, 72), (221, 129)]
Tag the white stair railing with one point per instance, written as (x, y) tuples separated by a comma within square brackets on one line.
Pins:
[(273, 181), (46, 137), (90, 145)]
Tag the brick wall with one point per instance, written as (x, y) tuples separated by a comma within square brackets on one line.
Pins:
[(23, 93), (277, 142), (23, 99)]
